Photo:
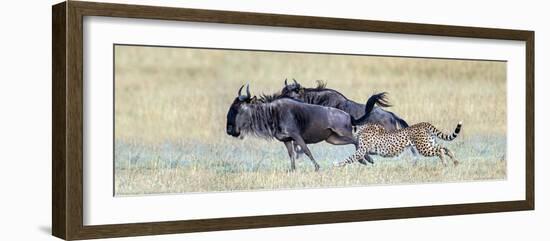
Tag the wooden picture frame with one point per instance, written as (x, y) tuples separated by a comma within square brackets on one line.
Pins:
[(67, 123)]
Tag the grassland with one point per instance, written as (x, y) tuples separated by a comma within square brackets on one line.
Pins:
[(171, 106)]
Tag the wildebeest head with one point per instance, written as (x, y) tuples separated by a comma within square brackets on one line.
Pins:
[(234, 121), (293, 90)]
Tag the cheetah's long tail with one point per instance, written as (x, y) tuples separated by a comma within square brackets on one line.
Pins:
[(446, 137)]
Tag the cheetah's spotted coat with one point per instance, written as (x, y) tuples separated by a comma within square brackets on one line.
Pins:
[(373, 139)]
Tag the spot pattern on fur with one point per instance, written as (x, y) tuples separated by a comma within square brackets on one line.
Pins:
[(373, 139)]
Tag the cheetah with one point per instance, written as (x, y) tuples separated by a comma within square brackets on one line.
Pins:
[(373, 139)]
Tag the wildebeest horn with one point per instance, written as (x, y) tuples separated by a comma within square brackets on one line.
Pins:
[(248, 91), (241, 97), (285, 82), (239, 93), (295, 82)]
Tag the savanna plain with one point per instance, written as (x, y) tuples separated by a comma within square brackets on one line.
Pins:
[(171, 106)]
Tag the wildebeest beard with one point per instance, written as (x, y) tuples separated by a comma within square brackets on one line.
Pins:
[(259, 119)]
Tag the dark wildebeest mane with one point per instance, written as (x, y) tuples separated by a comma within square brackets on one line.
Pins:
[(261, 122), (268, 98), (321, 85), (320, 95), (312, 95), (263, 116)]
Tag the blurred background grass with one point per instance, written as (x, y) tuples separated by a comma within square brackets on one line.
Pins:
[(171, 106)]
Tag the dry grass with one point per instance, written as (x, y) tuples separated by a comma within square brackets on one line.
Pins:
[(198, 179), (171, 103)]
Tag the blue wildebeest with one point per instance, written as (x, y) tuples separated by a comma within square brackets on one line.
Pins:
[(289, 120), (321, 95)]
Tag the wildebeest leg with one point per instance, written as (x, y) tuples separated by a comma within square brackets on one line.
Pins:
[(297, 150), (414, 152), (302, 144), (289, 148)]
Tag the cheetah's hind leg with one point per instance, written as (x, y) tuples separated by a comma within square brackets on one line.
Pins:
[(441, 155), (451, 155)]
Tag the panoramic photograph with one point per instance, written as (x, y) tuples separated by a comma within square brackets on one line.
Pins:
[(197, 120)]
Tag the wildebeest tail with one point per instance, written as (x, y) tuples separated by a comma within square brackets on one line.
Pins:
[(402, 123), (446, 137), (379, 99)]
